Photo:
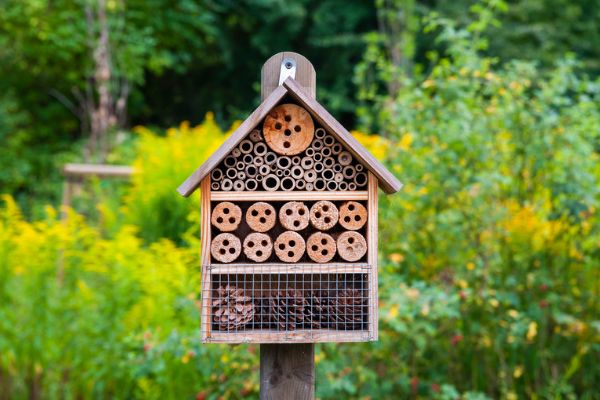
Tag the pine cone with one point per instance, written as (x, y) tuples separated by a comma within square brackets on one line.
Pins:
[(315, 314), (262, 318), (287, 308), (347, 310), (231, 308)]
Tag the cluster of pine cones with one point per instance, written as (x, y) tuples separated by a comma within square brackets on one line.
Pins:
[(290, 309)]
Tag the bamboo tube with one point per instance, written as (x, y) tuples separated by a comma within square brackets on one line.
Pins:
[(319, 167), (231, 173), (296, 160), (279, 173), (332, 185), (287, 172), (239, 165), (349, 172), (293, 215), (353, 215), (320, 133), (258, 247), (259, 178), (288, 184), (264, 170), (352, 186), (336, 149), (329, 162), (309, 152), (337, 168), (290, 247), (251, 185), (297, 172), (230, 161), (360, 179), (321, 247), (270, 183), (238, 185), (251, 171), (236, 152), (310, 175), (260, 149), (258, 161), (226, 185), (273, 167), (328, 141), (300, 184), (338, 177), (359, 167), (246, 146), (216, 174), (326, 151), (345, 158), (343, 186), (261, 217), (284, 162), (351, 246), (241, 175), (307, 162), (255, 136), (248, 159), (310, 187), (215, 186), (226, 216), (320, 184), (318, 157), (317, 144), (324, 215), (270, 158), (328, 174), (225, 247)]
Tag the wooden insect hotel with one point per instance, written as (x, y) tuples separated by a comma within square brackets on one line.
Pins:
[(289, 223)]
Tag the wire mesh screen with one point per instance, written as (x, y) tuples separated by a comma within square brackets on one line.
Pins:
[(289, 302)]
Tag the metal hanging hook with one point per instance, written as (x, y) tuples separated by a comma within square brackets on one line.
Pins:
[(288, 69)]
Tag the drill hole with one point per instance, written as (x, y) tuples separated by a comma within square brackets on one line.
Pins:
[(262, 220), (286, 145), (288, 118), (259, 253), (357, 218), (290, 254), (231, 220), (325, 208), (297, 128), (219, 220), (264, 243), (327, 220), (324, 252), (287, 132), (296, 223), (351, 240), (288, 212), (323, 241), (281, 246), (267, 212), (254, 213), (318, 214), (225, 242), (232, 250), (351, 207), (301, 211), (346, 219), (226, 211), (250, 244), (315, 247), (222, 251), (292, 243), (277, 125)]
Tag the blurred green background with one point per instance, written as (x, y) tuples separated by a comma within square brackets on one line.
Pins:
[(488, 111)]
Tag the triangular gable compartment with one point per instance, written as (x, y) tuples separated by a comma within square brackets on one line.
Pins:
[(387, 181)]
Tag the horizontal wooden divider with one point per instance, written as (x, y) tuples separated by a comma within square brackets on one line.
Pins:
[(282, 268), (288, 196)]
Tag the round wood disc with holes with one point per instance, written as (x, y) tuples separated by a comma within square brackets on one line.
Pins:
[(226, 216), (261, 217), (294, 215), (288, 129), (258, 247), (225, 247), (353, 215), (351, 246), (320, 247), (324, 215), (289, 247)]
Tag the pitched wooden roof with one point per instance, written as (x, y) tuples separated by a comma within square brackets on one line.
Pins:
[(387, 181)]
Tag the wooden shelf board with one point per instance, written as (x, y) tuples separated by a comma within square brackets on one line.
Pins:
[(280, 268), (297, 336), (289, 196)]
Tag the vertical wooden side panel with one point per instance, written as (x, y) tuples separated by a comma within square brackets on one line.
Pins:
[(372, 233), (205, 256)]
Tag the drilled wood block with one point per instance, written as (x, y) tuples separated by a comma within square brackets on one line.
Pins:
[(351, 246), (261, 217), (294, 215), (226, 216), (288, 129), (225, 247), (289, 247), (353, 215), (258, 247), (324, 215), (320, 247)]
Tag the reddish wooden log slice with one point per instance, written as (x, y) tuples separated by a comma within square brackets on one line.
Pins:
[(294, 215), (353, 215), (289, 247), (225, 247), (258, 247), (320, 247), (226, 216), (351, 246), (261, 217), (324, 215), (288, 129)]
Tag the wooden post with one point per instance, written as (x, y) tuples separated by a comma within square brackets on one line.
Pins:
[(287, 371)]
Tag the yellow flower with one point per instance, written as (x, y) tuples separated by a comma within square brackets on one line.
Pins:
[(518, 371), (470, 266), (494, 303), (425, 310), (428, 83), (405, 141), (185, 359), (532, 331), (462, 284), (393, 311), (396, 258), (513, 313), (412, 293)]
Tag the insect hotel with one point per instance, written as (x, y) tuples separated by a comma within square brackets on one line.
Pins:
[(289, 225)]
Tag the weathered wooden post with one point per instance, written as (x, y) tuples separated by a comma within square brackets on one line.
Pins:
[(289, 232)]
